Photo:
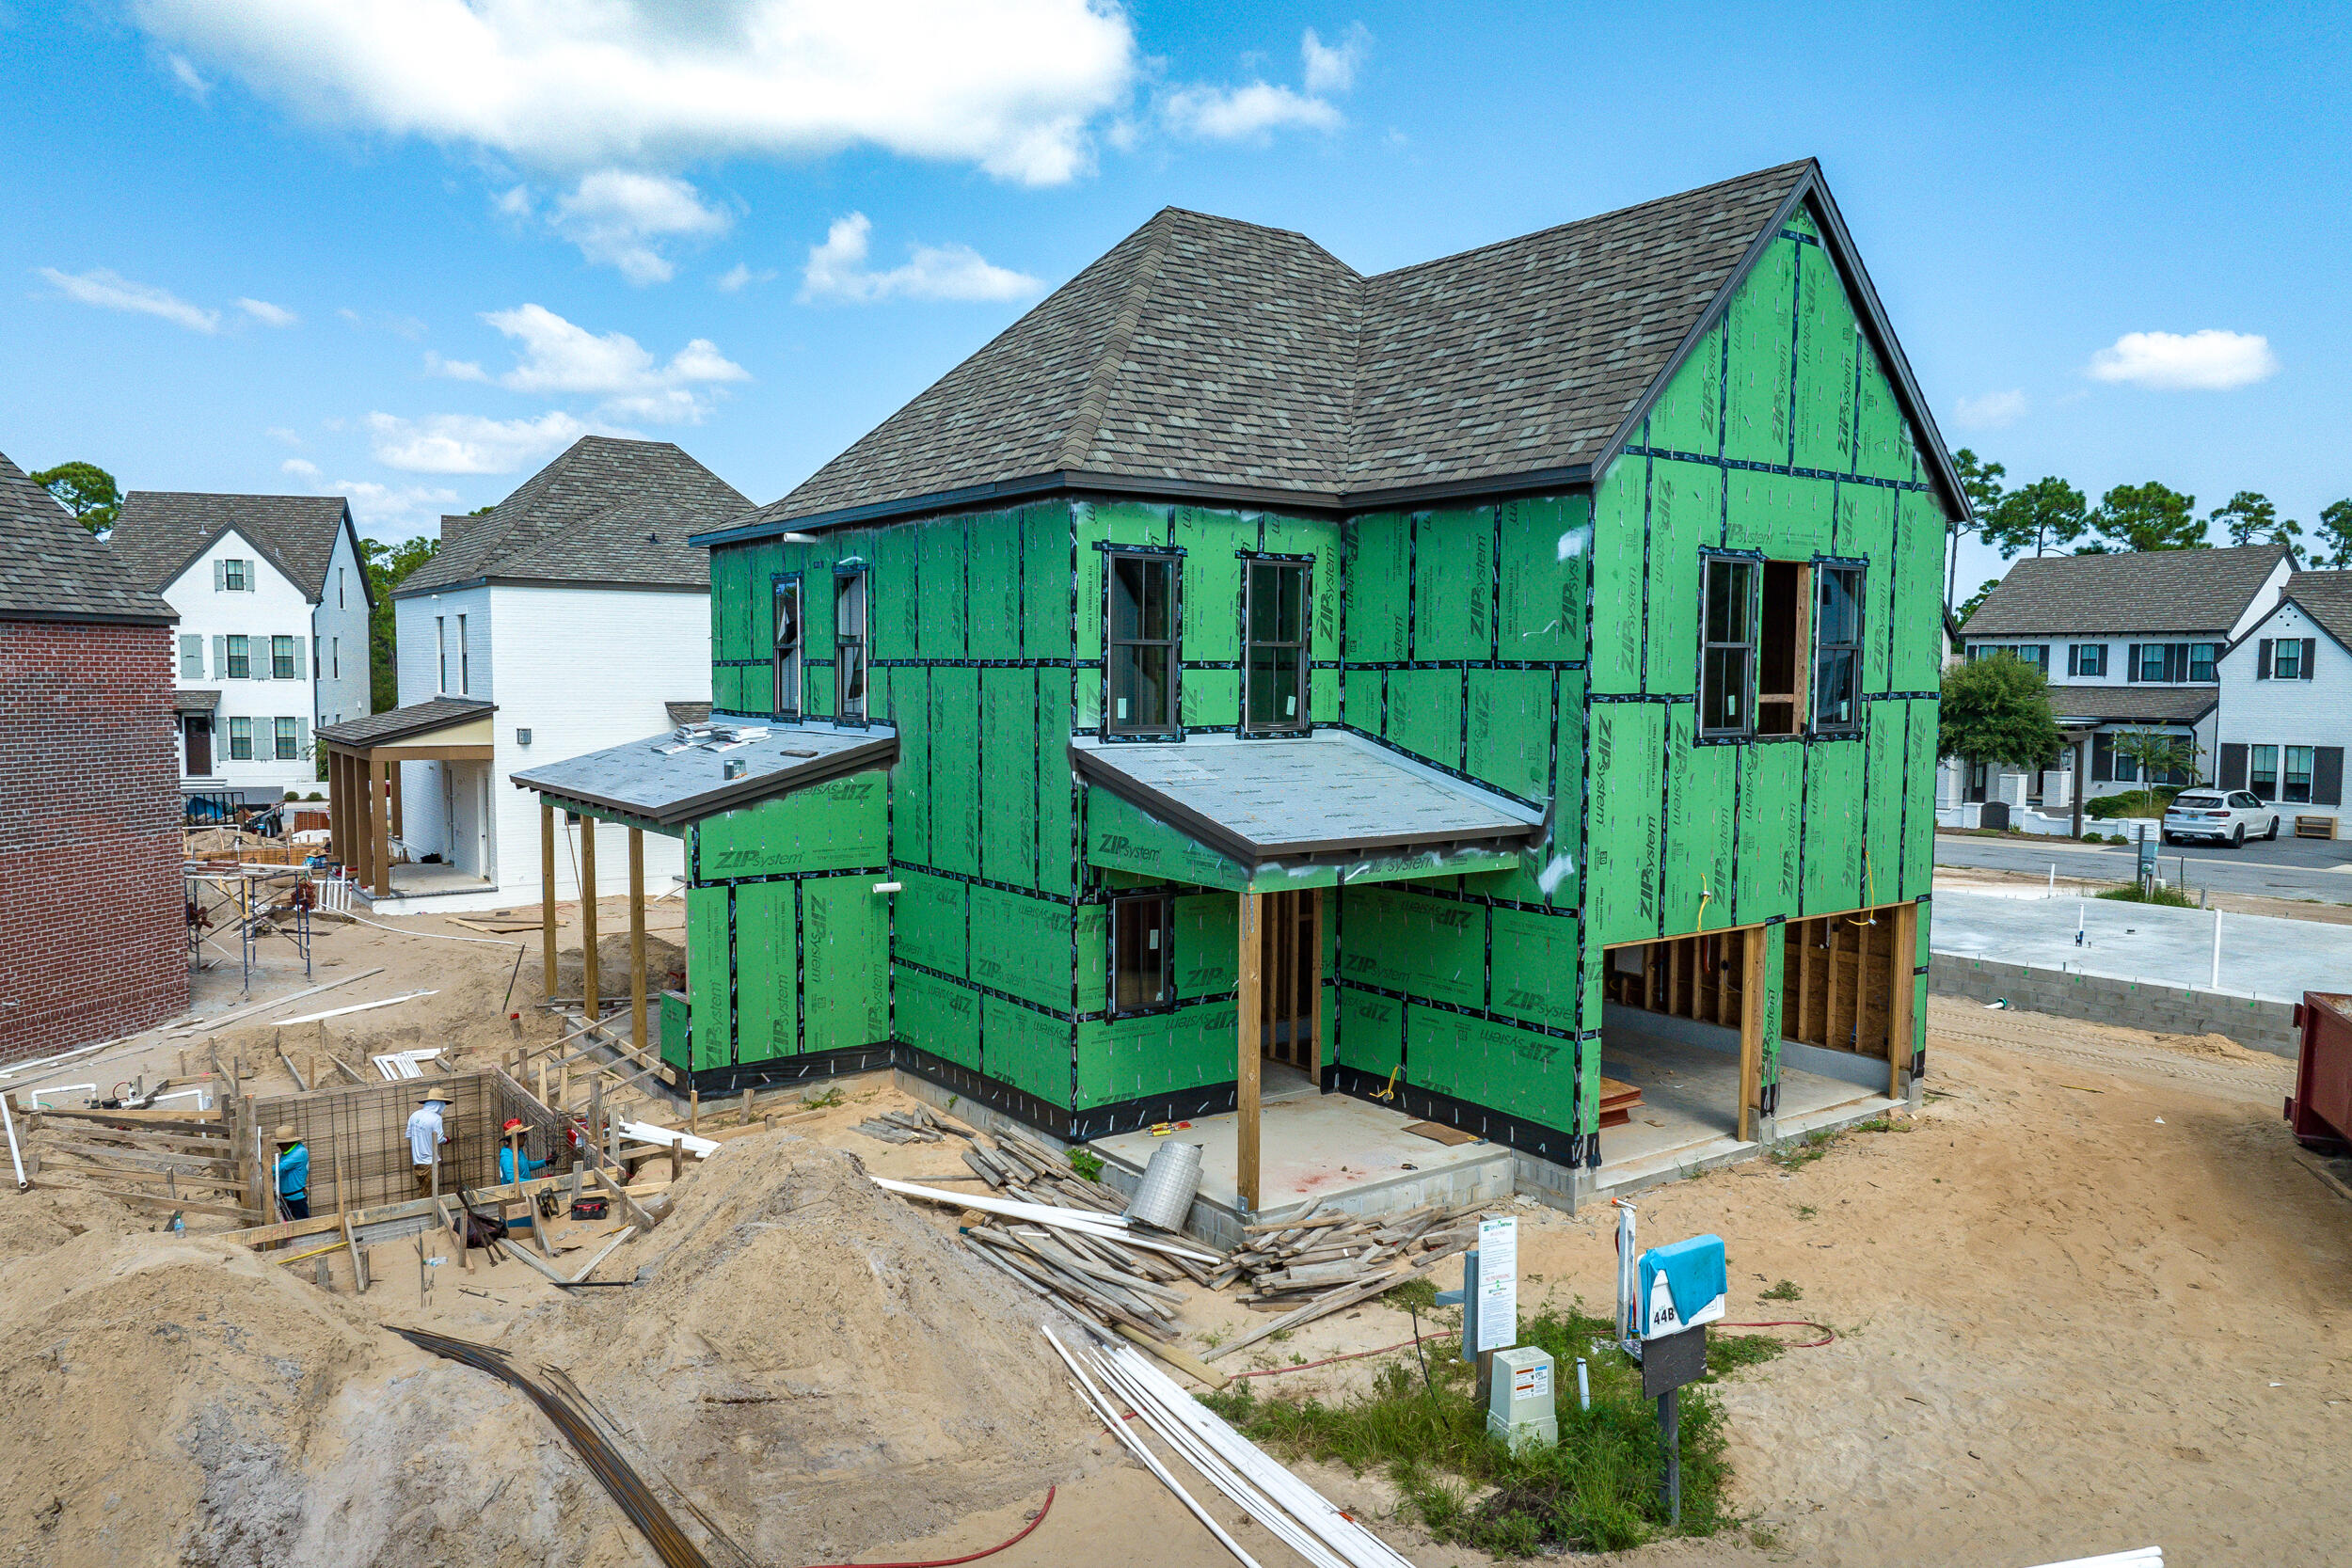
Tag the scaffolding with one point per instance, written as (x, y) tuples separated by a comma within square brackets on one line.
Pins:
[(246, 905)]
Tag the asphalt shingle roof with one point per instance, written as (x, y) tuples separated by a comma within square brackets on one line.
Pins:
[(606, 511), (2134, 705), (1232, 357), (2326, 597), (2154, 590), (160, 531), (54, 569), (406, 723)]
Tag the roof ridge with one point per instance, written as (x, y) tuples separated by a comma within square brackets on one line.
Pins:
[(1087, 418)]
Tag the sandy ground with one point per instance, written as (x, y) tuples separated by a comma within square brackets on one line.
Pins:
[(2091, 1297)]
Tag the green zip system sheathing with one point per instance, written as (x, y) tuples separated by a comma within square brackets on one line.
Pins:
[(1544, 647)]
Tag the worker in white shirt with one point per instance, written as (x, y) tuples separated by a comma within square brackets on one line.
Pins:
[(426, 1134)]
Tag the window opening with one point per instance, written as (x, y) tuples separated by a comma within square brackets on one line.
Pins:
[(1142, 646), (1275, 656), (1142, 937), (1727, 665), (464, 666), (788, 647), (2263, 775), (1780, 674), (1837, 649), (440, 652), (281, 658), (2297, 785), (2201, 660), (240, 660), (849, 639)]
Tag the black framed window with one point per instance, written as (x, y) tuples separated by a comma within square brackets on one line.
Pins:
[(1143, 627), (2264, 776), (1274, 648), (2201, 660), (786, 630), (1837, 647), (1143, 934), (1727, 651), (849, 643), (2087, 658), (2286, 658)]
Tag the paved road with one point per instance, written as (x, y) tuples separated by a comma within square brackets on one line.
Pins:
[(2289, 868)]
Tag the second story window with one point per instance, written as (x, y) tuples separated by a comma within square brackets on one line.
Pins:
[(1274, 658), (232, 577), (1837, 647), (465, 668), (2285, 658), (2201, 660), (284, 660), (440, 652), (849, 643), (787, 646), (1727, 645), (288, 736), (237, 659), (2087, 658), (1141, 645)]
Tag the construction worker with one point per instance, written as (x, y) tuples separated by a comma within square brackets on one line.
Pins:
[(513, 1165), (293, 1174), (426, 1134)]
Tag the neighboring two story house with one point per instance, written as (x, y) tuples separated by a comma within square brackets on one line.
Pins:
[(2128, 643), (1488, 688), (571, 615), (273, 636), (2286, 700)]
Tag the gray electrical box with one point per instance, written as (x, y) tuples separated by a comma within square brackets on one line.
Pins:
[(1520, 1409)]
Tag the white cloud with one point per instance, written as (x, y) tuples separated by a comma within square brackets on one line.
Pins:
[(279, 432), (1011, 86), (185, 76), (740, 276), (620, 218), (556, 356), (111, 290), (301, 468), (1333, 69), (838, 270), (1233, 113), (1993, 411), (267, 314), (456, 370), (395, 512), (2209, 360), (470, 443)]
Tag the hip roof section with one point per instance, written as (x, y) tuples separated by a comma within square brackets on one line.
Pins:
[(2146, 591)]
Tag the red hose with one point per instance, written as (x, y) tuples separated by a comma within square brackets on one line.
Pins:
[(1827, 1332), (968, 1556)]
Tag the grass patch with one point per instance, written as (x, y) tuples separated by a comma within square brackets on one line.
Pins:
[(2171, 897), (1731, 1352), (1799, 1152), (823, 1100), (1806, 1211), (1595, 1490), (1087, 1164), (1788, 1290)]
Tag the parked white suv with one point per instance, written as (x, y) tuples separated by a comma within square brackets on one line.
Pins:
[(2221, 816)]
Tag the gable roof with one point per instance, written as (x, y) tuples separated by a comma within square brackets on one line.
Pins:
[(606, 511), (2327, 599), (2157, 591), (161, 532), (52, 568), (1208, 358)]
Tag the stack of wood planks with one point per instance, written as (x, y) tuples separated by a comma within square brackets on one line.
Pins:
[(921, 1125), (1329, 1250), (1619, 1101)]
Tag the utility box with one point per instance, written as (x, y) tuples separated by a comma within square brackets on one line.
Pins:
[(1519, 1408)]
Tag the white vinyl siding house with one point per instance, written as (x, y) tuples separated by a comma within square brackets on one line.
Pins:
[(2286, 701)]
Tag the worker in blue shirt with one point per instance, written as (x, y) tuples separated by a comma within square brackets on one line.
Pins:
[(293, 1174), (513, 1165)]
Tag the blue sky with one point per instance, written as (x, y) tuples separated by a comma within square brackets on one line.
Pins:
[(269, 246)]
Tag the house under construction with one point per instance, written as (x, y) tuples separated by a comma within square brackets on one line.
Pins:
[(1504, 690)]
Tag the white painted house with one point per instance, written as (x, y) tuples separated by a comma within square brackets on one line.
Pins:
[(2286, 700), (273, 636), (577, 610), (2129, 642)]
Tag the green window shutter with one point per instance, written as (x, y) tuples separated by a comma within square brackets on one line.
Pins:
[(302, 738), (191, 657), (298, 672), (220, 574), (257, 657), (220, 658)]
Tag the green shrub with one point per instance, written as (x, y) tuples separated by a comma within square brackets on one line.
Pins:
[(2171, 897), (2130, 802), (1087, 1164)]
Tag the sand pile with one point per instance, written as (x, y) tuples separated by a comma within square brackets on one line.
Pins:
[(665, 966), (818, 1365)]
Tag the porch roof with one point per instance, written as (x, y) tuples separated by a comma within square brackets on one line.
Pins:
[(698, 770), (446, 729), (1323, 799)]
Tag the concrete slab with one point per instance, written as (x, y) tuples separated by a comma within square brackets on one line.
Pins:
[(1687, 1119), (2264, 957)]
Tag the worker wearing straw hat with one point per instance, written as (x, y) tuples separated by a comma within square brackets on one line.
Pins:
[(513, 1165), (426, 1134), (294, 1173)]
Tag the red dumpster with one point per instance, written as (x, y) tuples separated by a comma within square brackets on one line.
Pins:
[(2320, 1111)]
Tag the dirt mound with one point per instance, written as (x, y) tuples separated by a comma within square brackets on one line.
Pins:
[(666, 967), (819, 1366), (2221, 1048)]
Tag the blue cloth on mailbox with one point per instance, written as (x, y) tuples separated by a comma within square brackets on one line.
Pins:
[(1694, 1273)]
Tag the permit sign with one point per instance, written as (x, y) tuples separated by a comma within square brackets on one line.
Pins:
[(1496, 1304)]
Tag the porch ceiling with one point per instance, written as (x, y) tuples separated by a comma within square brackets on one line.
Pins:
[(1330, 800), (683, 775)]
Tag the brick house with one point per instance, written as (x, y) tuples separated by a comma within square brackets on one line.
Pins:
[(89, 788)]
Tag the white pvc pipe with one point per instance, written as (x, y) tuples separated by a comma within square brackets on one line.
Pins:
[(2217, 951), (202, 1101), (1089, 1221), (32, 1097), (15, 1158)]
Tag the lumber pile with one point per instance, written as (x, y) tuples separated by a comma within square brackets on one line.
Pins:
[(1619, 1101), (1328, 1251), (921, 1125)]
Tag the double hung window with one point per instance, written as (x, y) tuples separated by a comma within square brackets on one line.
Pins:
[(2262, 772), (1141, 643), (2297, 784), (1274, 661), (2286, 660), (1837, 649), (849, 643), (281, 658), (2087, 658), (241, 739), (288, 736), (239, 660), (787, 629), (1728, 646)]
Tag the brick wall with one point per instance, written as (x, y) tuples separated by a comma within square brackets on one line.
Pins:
[(91, 908)]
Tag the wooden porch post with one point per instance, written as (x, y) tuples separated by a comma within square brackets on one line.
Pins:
[(1251, 1032), (547, 899), (392, 776), (1752, 1025), (588, 918), (1902, 1019), (338, 802), (637, 937), (379, 829)]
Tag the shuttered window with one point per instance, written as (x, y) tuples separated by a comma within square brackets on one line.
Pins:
[(238, 668)]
